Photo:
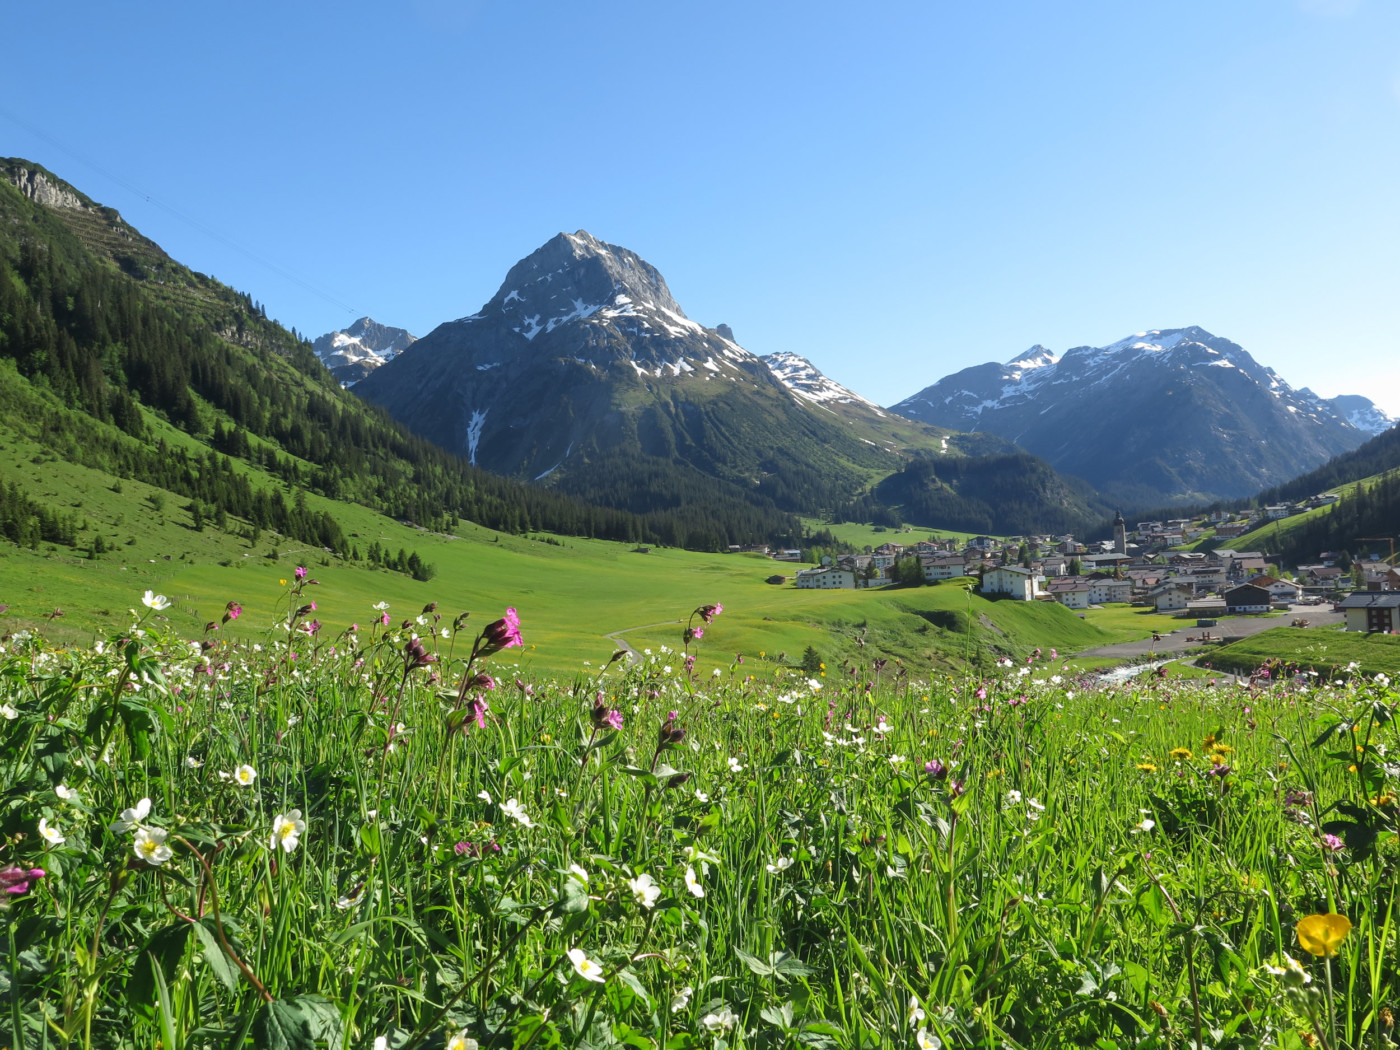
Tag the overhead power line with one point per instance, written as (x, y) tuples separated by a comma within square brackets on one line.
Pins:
[(209, 232)]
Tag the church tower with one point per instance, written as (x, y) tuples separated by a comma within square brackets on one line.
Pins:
[(1120, 534)]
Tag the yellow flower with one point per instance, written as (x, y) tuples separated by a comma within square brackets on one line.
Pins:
[(1383, 799), (1208, 742), (1147, 767), (1323, 934), (282, 583), (1181, 754)]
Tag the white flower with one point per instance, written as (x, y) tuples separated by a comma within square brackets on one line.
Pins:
[(380, 606), (916, 1012), (193, 763), (1291, 971), (666, 669), (813, 685), (9, 711), (644, 889), (150, 846), (735, 766), (700, 796), (66, 793), (898, 760), (720, 1022), (1143, 826), (681, 999), (484, 795), (584, 966), (1013, 797), (1005, 661), (715, 673), (158, 602), (780, 865), (882, 726), (513, 809), (691, 882), (1034, 803), (130, 818), (1382, 680), (286, 830), (380, 1043), (926, 1040), (461, 1041), (577, 872), (244, 775), (50, 834)]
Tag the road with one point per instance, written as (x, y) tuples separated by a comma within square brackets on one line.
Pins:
[(622, 643), (1230, 630)]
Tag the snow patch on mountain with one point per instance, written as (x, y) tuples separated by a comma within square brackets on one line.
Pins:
[(802, 377), (352, 353)]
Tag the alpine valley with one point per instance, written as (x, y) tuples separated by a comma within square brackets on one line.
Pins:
[(583, 372)]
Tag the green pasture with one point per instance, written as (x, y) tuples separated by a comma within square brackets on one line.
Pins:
[(1324, 651)]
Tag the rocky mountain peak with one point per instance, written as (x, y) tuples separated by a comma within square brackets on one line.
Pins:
[(573, 276)]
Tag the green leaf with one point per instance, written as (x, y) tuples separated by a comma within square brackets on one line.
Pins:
[(214, 955), (1154, 903), (573, 899), (778, 1015), (757, 965), (155, 965), (629, 979), (298, 1023)]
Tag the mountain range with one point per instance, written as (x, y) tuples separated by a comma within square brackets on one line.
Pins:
[(583, 372), (1163, 416)]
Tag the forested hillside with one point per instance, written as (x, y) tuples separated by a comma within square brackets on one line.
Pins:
[(97, 322)]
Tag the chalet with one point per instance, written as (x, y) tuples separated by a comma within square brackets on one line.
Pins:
[(1279, 590), (1108, 560), (1186, 559), (1173, 597), (1072, 593), (1109, 589), (1020, 584), (1228, 530), (943, 567), (826, 579), (1372, 611), (1385, 579), (1246, 598), (1203, 608)]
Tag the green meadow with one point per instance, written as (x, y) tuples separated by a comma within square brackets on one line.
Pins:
[(400, 841)]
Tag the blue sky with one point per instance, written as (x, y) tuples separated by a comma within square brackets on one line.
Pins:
[(894, 190)]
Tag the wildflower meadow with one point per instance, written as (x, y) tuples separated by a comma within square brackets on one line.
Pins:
[(395, 838)]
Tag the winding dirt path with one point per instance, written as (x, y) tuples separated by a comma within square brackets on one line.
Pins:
[(622, 643)]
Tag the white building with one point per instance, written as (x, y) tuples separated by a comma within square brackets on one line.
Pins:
[(1021, 584), (826, 579)]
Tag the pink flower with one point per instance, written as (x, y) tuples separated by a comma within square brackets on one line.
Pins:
[(709, 612), (384, 619), (501, 634), (981, 692), (16, 880), (1333, 844), (301, 572), (232, 611)]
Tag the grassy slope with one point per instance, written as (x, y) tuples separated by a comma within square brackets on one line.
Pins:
[(600, 586), (1322, 651)]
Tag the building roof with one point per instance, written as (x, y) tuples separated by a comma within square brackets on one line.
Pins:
[(1371, 600)]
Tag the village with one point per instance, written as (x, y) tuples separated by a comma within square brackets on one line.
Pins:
[(1140, 566)]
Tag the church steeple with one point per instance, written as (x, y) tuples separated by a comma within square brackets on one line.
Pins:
[(1120, 534)]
